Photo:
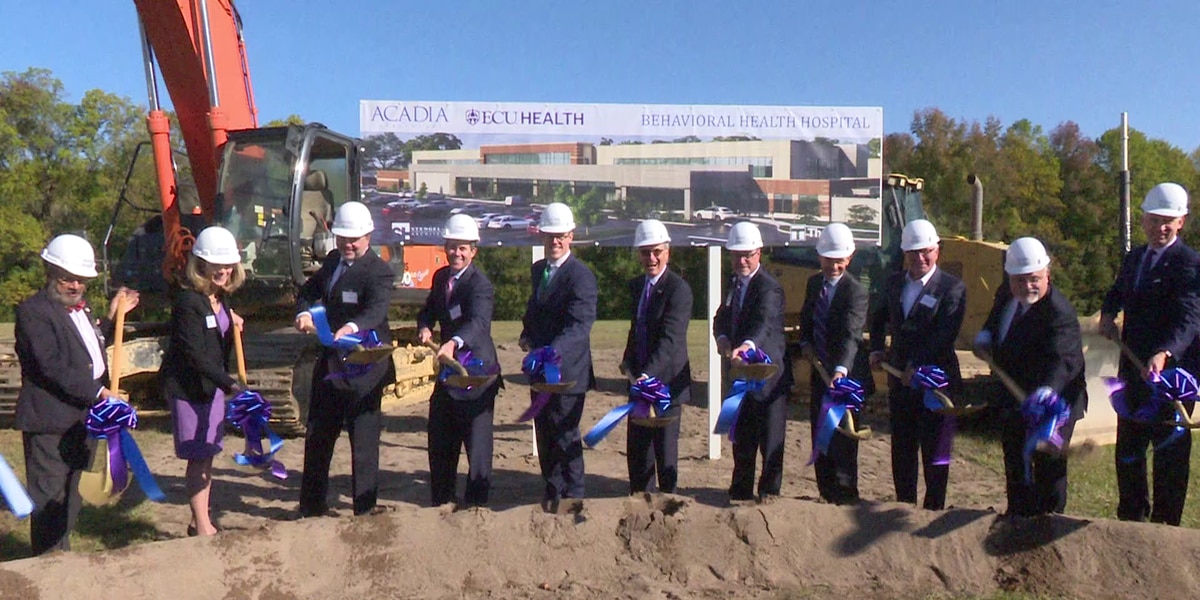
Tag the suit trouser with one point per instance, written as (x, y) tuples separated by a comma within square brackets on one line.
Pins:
[(53, 463), (837, 469), (916, 430), (560, 446), (1047, 493), (760, 429), (454, 424), (1171, 471), (330, 412), (650, 449)]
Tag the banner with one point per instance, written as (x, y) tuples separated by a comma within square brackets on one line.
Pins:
[(698, 168)]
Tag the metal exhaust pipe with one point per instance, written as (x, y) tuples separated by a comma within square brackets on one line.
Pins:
[(976, 207)]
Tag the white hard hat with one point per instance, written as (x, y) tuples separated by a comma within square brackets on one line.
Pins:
[(352, 220), (918, 234), (651, 232), (836, 241), (557, 218), (217, 246), (744, 236), (1166, 199), (461, 228), (72, 254), (1025, 255)]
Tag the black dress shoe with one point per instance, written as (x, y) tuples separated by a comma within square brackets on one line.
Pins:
[(191, 531)]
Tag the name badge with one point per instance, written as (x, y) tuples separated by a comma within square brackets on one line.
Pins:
[(928, 301), (349, 297), (455, 312), (210, 322)]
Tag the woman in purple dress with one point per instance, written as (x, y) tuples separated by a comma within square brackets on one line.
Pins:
[(195, 367)]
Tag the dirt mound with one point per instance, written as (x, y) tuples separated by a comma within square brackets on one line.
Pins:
[(652, 547)]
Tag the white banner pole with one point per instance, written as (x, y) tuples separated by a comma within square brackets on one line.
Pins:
[(539, 252), (714, 359)]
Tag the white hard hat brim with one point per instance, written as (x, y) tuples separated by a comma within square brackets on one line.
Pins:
[(930, 244), (225, 260), (556, 228), (351, 233), (742, 247), (836, 253), (1168, 212), (88, 272)]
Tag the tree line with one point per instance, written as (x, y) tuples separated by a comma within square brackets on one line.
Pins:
[(63, 164)]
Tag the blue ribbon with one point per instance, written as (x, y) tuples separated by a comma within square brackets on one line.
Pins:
[(541, 366), (1045, 413), (250, 413), (645, 395), (1174, 384), (346, 344), (112, 419), (845, 395), (732, 403), (930, 378), (15, 495), (474, 366)]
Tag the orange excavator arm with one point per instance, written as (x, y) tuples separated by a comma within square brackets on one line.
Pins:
[(201, 54)]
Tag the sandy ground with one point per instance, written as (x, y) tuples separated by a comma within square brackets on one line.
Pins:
[(693, 545)]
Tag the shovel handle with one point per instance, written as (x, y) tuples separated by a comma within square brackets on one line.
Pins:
[(446, 360), (241, 355), (1014, 388), (114, 370)]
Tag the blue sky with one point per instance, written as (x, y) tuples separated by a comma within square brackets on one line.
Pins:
[(1048, 61)]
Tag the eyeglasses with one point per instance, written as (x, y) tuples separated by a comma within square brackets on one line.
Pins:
[(64, 279), (923, 253), (744, 254), (655, 252)]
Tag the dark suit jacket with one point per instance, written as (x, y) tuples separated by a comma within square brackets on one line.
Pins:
[(844, 325), (196, 362), (472, 296), (1043, 348), (562, 317), (57, 386), (1162, 314), (668, 311), (361, 295), (926, 335), (759, 320)]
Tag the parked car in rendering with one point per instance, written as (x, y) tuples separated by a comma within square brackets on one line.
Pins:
[(714, 213), (509, 222)]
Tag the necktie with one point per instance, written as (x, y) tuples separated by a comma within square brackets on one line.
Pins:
[(1012, 322), (1144, 270), (545, 284), (337, 274), (642, 329), (450, 288), (735, 303), (78, 307), (820, 315)]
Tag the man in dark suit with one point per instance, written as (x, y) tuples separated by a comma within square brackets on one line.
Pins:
[(1157, 290), (831, 325), (559, 314), (460, 302), (922, 309), (1032, 334), (354, 287), (657, 347), (63, 373), (751, 317)]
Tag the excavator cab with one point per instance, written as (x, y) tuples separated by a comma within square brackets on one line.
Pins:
[(278, 189)]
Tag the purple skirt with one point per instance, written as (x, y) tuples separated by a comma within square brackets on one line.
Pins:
[(199, 427)]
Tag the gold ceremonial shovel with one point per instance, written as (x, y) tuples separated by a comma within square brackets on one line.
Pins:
[(948, 407), (96, 483), (462, 378), (847, 426), (1185, 420), (739, 369), (653, 421), (365, 356)]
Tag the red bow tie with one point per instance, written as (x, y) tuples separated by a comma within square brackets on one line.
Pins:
[(81, 306)]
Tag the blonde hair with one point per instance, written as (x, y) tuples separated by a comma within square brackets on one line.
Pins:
[(194, 278)]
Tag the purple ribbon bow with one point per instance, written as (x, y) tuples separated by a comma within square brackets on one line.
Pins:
[(929, 378), (473, 365), (110, 420), (541, 366), (845, 395), (250, 413), (1045, 414), (732, 404)]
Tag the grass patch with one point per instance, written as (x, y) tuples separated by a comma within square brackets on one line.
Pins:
[(612, 335), (99, 528)]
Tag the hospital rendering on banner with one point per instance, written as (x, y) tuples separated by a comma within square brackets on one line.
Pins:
[(794, 167)]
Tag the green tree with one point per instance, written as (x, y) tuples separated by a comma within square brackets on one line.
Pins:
[(292, 119)]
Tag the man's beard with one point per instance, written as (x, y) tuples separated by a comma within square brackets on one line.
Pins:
[(64, 299)]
